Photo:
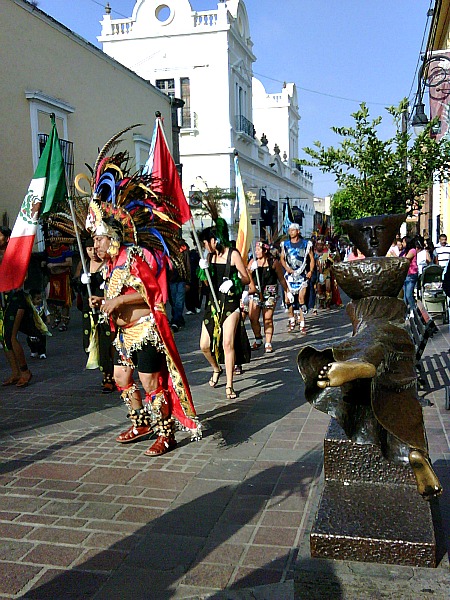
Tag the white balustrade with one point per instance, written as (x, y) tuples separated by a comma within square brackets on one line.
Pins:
[(205, 19), (121, 27)]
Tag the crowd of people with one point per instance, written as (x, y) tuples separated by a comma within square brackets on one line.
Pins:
[(125, 318)]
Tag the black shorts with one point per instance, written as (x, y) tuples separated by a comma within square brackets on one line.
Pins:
[(146, 360)]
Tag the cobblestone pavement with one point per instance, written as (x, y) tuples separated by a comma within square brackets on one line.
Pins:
[(83, 517)]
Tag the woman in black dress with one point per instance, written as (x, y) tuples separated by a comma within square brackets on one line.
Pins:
[(228, 276)]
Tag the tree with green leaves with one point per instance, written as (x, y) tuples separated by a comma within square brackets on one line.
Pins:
[(378, 176)]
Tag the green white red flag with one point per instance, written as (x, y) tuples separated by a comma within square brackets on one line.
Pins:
[(46, 189)]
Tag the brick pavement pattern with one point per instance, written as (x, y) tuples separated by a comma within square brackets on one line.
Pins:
[(84, 517)]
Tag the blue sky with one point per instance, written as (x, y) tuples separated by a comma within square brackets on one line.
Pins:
[(337, 52)]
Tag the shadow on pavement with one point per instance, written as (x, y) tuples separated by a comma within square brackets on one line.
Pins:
[(182, 546), (15, 465)]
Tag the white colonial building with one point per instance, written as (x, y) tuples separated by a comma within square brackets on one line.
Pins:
[(205, 58)]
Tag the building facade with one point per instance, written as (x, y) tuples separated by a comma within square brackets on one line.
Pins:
[(434, 217), (46, 68), (205, 59)]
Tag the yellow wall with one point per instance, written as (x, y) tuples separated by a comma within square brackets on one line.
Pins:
[(441, 192), (40, 54)]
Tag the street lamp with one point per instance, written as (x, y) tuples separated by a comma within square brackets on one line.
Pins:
[(420, 119), (437, 80)]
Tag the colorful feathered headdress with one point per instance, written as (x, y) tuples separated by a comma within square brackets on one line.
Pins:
[(146, 218)]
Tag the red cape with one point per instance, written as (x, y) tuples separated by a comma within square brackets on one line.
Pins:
[(172, 377)]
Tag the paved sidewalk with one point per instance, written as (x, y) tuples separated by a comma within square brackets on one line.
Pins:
[(83, 517)]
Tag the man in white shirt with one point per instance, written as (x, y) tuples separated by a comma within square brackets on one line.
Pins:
[(442, 251)]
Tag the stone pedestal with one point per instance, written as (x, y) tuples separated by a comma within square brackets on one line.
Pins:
[(370, 509)]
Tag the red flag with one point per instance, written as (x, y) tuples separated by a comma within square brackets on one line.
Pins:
[(166, 180)]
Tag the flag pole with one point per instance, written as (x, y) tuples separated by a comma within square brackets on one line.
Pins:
[(207, 273), (258, 281), (72, 213), (77, 235)]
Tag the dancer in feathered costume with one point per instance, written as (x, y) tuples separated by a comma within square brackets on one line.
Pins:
[(125, 212)]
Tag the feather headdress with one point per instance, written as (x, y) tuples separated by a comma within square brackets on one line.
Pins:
[(63, 223), (212, 200), (148, 219)]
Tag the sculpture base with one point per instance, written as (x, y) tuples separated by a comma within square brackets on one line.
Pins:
[(362, 517)]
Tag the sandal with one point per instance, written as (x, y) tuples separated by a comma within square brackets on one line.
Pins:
[(231, 394), (24, 380), (257, 344), (11, 381), (108, 385), (134, 433), (291, 326), (215, 378), (268, 348), (238, 370)]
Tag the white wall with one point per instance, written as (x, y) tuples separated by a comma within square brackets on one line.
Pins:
[(214, 49)]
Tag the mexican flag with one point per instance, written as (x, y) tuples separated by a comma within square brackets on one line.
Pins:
[(47, 187)]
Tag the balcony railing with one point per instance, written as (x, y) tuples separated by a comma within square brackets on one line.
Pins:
[(207, 18), (243, 125), (67, 153)]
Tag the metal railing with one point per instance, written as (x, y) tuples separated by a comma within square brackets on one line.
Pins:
[(67, 153), (243, 125)]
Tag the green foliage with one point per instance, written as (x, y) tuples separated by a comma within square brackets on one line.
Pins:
[(380, 176), (344, 206), (212, 201)]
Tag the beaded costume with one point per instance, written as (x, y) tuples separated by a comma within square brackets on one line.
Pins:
[(144, 231)]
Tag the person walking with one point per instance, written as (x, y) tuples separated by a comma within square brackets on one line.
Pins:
[(179, 280), (297, 259), (265, 272), (15, 316), (133, 302), (91, 321), (134, 232), (409, 251), (228, 276), (59, 298), (442, 251), (192, 299)]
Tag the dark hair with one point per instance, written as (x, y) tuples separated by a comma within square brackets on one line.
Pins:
[(6, 231), (89, 243), (267, 251), (410, 244), (264, 245), (428, 244), (419, 244), (34, 292), (210, 233)]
